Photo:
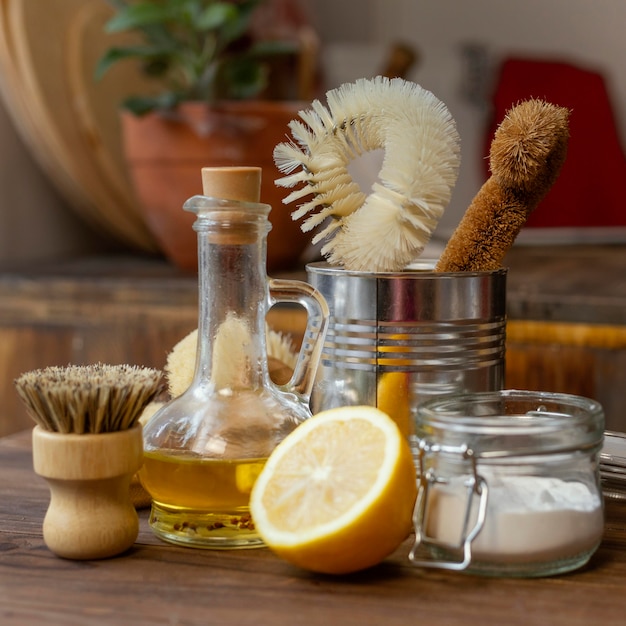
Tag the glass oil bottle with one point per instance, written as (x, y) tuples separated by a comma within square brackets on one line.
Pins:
[(204, 449)]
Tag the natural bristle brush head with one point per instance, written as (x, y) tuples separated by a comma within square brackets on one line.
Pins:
[(527, 153), (88, 398), (530, 146), (388, 228)]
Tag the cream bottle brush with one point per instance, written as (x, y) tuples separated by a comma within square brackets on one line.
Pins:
[(385, 230), (87, 445)]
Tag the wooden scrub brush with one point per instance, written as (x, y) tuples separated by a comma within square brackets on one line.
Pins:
[(88, 445), (387, 229), (526, 156)]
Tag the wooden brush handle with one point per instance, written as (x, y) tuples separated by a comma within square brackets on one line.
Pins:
[(486, 232), (91, 515)]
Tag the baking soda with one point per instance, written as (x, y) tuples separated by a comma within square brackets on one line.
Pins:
[(529, 518)]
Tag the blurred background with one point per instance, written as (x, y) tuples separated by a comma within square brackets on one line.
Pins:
[(83, 278), (458, 46)]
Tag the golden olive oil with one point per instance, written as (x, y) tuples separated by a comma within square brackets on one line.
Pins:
[(201, 501)]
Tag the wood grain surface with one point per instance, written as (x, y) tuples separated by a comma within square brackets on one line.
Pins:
[(159, 584)]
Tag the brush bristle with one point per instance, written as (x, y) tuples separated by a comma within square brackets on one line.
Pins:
[(530, 146), (88, 398), (181, 360), (389, 228), (526, 156)]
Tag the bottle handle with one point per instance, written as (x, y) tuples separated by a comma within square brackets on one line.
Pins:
[(318, 316)]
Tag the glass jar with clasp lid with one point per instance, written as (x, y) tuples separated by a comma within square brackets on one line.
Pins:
[(508, 482)]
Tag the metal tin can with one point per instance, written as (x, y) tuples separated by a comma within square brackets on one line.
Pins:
[(408, 335)]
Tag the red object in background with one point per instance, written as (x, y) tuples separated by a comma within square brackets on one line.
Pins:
[(591, 189)]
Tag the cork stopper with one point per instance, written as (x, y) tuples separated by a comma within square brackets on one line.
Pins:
[(232, 183)]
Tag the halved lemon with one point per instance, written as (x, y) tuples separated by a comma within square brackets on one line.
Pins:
[(337, 494)]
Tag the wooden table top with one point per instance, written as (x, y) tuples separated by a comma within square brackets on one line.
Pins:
[(156, 583)]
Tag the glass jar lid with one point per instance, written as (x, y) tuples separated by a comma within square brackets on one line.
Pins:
[(511, 422)]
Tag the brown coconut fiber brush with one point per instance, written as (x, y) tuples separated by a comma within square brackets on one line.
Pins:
[(526, 156), (88, 445)]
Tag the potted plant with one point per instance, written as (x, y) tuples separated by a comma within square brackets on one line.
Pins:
[(213, 102)]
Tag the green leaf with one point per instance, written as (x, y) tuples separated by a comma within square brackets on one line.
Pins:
[(235, 28), (216, 15), (140, 105), (244, 78), (111, 57), (147, 54), (139, 16)]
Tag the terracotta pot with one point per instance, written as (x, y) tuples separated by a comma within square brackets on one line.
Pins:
[(166, 153)]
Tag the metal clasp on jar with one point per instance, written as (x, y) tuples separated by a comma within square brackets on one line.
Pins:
[(476, 486)]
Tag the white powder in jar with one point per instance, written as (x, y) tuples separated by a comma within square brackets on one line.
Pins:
[(529, 518)]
